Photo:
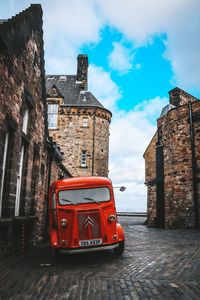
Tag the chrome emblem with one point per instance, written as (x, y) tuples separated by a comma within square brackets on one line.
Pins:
[(88, 222)]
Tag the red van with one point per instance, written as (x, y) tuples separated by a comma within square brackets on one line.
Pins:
[(83, 216)]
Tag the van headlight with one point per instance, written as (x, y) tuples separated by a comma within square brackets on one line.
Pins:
[(111, 218), (63, 222)]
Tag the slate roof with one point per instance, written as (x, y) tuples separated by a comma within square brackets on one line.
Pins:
[(71, 91)]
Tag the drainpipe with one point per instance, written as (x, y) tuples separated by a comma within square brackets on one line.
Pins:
[(194, 168), (160, 200), (49, 166), (93, 145)]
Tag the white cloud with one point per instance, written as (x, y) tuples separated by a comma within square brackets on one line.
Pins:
[(131, 133), (77, 20), (75, 23), (138, 66), (183, 46), (141, 20), (103, 87), (67, 26), (62, 63), (71, 24), (120, 59), (132, 199)]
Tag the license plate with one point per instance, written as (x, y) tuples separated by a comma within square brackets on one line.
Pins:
[(94, 242)]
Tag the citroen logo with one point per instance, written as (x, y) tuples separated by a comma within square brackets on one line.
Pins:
[(88, 222)]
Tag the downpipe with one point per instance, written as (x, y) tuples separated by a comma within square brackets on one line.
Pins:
[(194, 168)]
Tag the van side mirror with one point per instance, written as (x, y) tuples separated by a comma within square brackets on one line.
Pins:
[(121, 188)]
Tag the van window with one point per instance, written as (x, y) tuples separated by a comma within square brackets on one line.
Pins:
[(92, 195)]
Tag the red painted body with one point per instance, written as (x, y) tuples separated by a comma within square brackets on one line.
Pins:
[(83, 226)]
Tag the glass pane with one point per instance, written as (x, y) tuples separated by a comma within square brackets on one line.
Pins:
[(93, 195), (25, 122), (83, 158), (85, 122), (52, 115)]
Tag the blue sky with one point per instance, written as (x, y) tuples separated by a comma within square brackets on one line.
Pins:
[(145, 78), (138, 50)]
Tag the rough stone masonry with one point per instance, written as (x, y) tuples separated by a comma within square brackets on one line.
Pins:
[(172, 162)]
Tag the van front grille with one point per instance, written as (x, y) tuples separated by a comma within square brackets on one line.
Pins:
[(89, 225)]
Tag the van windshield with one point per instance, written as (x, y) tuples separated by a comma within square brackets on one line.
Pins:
[(92, 195)]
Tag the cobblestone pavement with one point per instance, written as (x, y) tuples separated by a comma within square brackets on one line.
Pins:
[(156, 264)]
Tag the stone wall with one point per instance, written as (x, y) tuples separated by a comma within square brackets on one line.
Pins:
[(73, 137), (150, 179), (175, 137), (179, 137), (23, 131)]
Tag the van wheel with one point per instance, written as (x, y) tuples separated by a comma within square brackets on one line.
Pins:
[(120, 249), (55, 252)]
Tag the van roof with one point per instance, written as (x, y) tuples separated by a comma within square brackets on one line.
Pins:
[(81, 182)]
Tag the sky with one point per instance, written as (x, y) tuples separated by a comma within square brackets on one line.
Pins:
[(138, 51)]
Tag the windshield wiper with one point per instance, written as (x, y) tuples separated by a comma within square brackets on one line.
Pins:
[(67, 200), (91, 199)]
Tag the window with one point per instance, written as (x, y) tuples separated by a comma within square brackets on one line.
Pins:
[(85, 122), (25, 121), (19, 181), (22, 164), (83, 158), (35, 177), (52, 116), (5, 154), (93, 195), (35, 58)]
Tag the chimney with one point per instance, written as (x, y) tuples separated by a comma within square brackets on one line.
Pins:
[(82, 70), (178, 97)]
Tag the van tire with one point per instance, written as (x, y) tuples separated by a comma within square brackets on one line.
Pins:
[(55, 252), (120, 249)]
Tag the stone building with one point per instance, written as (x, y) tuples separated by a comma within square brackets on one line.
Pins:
[(27, 157), (172, 163), (78, 122)]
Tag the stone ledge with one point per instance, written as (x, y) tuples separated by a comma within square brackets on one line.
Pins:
[(16, 220), (25, 219), (5, 222)]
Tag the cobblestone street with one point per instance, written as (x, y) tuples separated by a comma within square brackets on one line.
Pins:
[(156, 264)]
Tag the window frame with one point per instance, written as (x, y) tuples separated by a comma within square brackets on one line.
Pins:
[(25, 121), (5, 157), (84, 158), (85, 122), (19, 180), (53, 114), (79, 193)]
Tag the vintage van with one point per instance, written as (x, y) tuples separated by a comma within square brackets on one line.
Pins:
[(83, 216)]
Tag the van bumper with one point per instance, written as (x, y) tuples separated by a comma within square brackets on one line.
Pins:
[(83, 250)]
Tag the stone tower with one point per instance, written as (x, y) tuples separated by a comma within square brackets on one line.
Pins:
[(78, 122), (172, 162)]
